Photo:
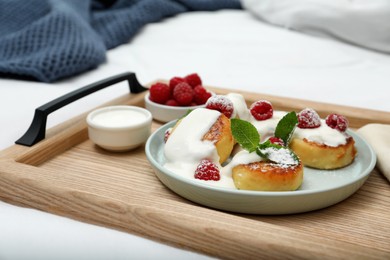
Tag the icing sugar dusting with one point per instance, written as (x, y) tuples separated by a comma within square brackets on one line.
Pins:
[(221, 100), (282, 156), (308, 118)]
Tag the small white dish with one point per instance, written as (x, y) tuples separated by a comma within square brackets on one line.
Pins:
[(119, 128), (165, 113), (320, 189)]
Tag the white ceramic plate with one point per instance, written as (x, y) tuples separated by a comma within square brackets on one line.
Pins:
[(320, 188)]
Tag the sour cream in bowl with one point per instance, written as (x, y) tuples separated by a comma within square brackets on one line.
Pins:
[(119, 128)]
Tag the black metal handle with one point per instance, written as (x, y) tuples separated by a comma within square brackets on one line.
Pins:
[(37, 130)]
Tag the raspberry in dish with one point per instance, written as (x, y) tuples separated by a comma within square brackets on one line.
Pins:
[(187, 91), (193, 79), (325, 144), (160, 93), (174, 81), (201, 95), (183, 94), (172, 103)]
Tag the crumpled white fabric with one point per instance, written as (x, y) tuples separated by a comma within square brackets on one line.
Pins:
[(378, 136), (361, 22)]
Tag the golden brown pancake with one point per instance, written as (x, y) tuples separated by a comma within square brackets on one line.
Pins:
[(267, 176), (321, 156)]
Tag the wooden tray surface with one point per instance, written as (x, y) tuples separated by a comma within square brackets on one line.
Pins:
[(66, 174)]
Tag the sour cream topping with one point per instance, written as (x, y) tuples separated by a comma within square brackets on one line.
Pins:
[(185, 145), (185, 148), (322, 135), (266, 128), (240, 108)]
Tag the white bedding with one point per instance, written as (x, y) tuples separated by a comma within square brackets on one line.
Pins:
[(230, 49), (361, 22)]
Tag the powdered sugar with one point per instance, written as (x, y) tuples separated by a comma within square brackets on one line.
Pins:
[(308, 118), (282, 156), (221, 104), (322, 135)]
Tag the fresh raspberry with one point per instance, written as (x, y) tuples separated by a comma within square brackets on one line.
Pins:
[(276, 140), (201, 95), (207, 171), (221, 104), (308, 118), (159, 93), (167, 134), (261, 110), (183, 94), (193, 79), (172, 103), (174, 81), (336, 121)]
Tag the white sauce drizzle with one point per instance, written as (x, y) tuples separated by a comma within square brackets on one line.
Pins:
[(240, 108)]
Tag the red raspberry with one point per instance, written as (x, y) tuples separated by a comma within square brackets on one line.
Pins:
[(193, 79), (261, 110), (308, 118), (174, 81), (172, 103), (221, 104), (201, 95), (167, 134), (276, 140), (336, 121), (159, 93), (183, 94), (207, 171)]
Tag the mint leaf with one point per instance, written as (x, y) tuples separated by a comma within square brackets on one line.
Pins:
[(245, 134), (277, 153), (286, 126)]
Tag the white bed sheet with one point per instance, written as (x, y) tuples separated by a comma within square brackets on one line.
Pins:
[(230, 49)]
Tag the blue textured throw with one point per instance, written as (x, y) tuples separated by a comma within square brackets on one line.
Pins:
[(46, 40)]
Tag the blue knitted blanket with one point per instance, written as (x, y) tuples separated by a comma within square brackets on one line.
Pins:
[(46, 40)]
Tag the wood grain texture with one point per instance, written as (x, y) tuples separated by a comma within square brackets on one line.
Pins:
[(66, 174)]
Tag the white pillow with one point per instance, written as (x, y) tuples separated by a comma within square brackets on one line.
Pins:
[(361, 22)]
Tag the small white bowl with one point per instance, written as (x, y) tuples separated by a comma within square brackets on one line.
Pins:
[(119, 128), (165, 113)]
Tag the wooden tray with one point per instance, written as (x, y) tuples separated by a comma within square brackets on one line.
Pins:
[(67, 175)]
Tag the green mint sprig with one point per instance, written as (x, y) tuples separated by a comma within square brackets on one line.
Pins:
[(245, 134), (248, 138), (286, 126)]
